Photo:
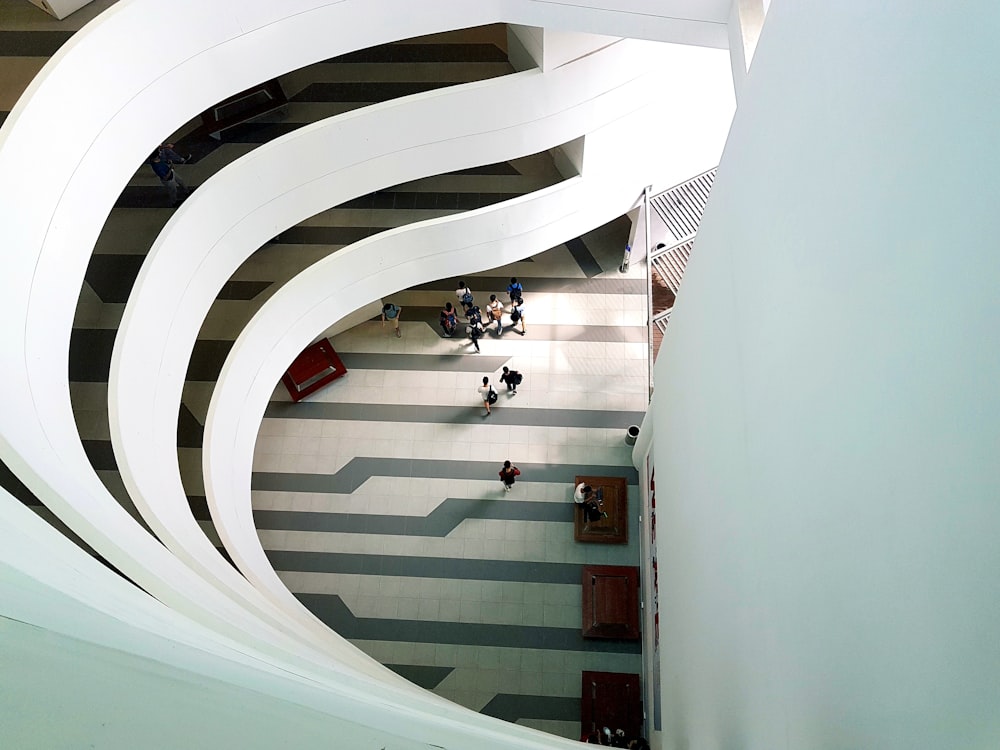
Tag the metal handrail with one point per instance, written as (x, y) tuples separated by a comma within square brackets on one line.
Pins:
[(688, 199), (664, 249)]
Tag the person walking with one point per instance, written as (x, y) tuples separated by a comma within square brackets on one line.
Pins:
[(508, 474), (464, 295), (494, 309), (512, 378), (476, 332), (517, 316), (514, 290), (488, 393), (447, 320), (391, 312), (162, 163)]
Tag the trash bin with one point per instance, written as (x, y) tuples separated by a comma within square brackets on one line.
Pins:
[(632, 435)]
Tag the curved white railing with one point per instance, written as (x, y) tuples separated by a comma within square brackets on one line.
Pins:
[(362, 151), (60, 175)]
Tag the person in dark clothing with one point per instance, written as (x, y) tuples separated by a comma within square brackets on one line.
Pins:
[(508, 474), (448, 320), (476, 332), (512, 378), (162, 162)]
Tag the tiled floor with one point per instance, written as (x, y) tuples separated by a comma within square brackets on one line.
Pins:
[(381, 507), (378, 499)]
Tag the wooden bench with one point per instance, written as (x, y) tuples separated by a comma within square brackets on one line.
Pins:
[(612, 493)]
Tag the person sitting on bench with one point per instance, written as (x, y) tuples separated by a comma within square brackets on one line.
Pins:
[(583, 496)]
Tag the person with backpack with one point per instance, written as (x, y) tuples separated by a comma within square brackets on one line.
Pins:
[(494, 309), (517, 316), (508, 474), (473, 314), (447, 320), (391, 312), (464, 295), (514, 289), (489, 395), (512, 378), (476, 332)]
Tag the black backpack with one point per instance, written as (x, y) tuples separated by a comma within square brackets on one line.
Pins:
[(492, 396), (515, 315)]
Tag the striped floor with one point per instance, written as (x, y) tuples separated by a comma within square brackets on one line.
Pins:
[(378, 500)]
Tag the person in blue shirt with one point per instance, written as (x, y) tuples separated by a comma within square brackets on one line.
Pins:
[(447, 320), (162, 162), (514, 289), (391, 312)]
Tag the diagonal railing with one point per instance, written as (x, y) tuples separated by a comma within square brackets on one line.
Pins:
[(680, 210), (681, 207)]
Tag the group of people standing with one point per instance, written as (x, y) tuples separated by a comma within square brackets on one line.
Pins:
[(479, 320)]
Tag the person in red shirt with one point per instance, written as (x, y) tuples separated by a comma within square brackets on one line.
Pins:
[(507, 475)]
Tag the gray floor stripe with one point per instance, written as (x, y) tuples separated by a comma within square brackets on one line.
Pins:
[(332, 610), (426, 677), (425, 567), (583, 257), (431, 362), (454, 414), (510, 707), (438, 523), (358, 470)]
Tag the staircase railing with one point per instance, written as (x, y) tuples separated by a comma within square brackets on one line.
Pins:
[(680, 209)]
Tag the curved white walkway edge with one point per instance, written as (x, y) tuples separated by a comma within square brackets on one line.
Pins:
[(620, 156), (283, 183), (60, 175), (49, 582)]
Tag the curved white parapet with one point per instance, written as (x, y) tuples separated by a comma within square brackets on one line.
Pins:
[(59, 175), (620, 155), (362, 151), (72, 184), (122, 665)]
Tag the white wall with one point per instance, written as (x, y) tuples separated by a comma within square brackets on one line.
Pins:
[(828, 416)]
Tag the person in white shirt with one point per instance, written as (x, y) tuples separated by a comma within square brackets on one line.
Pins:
[(583, 496), (464, 295), (494, 311), (489, 395)]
